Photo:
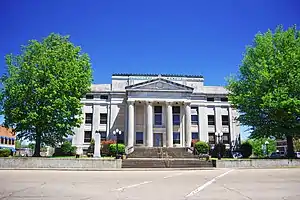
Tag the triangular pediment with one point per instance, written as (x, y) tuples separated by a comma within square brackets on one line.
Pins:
[(159, 84)]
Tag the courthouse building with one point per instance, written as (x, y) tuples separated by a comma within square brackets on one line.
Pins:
[(153, 110)]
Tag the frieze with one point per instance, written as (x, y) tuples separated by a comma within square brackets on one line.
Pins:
[(168, 95)]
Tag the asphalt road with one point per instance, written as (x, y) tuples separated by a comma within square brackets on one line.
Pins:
[(260, 184)]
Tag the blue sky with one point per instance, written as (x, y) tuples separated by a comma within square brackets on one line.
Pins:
[(134, 36)]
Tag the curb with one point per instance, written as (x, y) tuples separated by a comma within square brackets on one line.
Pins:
[(109, 169)]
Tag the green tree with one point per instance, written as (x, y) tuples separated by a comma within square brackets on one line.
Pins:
[(257, 146), (18, 144), (41, 91), (297, 145), (266, 91)]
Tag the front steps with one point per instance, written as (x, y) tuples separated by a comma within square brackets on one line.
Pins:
[(160, 152), (166, 163)]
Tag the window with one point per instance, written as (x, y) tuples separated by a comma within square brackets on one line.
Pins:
[(103, 135), (87, 136), (176, 115), (103, 118), (139, 138), (211, 138), (225, 120), (211, 119), (224, 99), (226, 138), (89, 96), (195, 136), (176, 138), (13, 142), (2, 140), (157, 115), (194, 115), (88, 118), (9, 141), (103, 96), (5, 141), (210, 99)]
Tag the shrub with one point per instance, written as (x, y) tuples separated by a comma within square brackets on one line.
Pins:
[(105, 147), (246, 149), (194, 141), (113, 148), (215, 151), (66, 149), (202, 147), (4, 152)]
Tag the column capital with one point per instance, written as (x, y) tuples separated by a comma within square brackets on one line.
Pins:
[(169, 102), (187, 102), (130, 102)]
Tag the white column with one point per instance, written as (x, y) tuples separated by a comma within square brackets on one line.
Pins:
[(149, 129), (97, 145), (79, 139), (130, 136), (199, 125), (218, 119), (188, 134), (169, 125), (203, 124), (96, 119)]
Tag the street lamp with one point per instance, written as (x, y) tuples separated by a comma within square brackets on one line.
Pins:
[(117, 132), (267, 143), (219, 136)]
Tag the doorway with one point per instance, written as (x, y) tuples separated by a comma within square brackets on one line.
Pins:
[(157, 140)]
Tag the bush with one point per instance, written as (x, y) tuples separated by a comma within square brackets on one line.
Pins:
[(105, 147), (113, 148), (90, 149), (4, 152), (202, 147), (215, 151), (246, 149), (66, 149)]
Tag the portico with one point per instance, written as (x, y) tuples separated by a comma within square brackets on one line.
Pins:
[(159, 130)]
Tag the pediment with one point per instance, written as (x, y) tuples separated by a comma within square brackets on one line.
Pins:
[(159, 84)]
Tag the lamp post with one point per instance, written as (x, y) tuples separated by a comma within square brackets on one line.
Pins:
[(219, 136), (117, 132), (267, 143)]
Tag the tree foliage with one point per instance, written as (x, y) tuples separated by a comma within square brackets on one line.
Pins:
[(267, 89), (246, 149), (257, 146), (41, 91)]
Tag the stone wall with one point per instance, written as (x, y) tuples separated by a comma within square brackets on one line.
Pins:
[(59, 163), (257, 163)]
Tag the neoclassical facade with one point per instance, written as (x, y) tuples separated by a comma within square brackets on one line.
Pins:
[(153, 110)]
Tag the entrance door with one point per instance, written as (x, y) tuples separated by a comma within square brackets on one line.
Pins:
[(157, 140)]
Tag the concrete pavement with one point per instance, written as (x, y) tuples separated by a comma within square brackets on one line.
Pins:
[(176, 185)]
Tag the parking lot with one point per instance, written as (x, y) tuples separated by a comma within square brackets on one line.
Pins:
[(194, 184)]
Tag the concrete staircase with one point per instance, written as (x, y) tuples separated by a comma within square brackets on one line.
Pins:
[(160, 152), (166, 163)]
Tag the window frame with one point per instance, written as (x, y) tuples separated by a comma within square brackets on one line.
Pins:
[(176, 141), (209, 136), (225, 122), (139, 141), (208, 120), (104, 119)]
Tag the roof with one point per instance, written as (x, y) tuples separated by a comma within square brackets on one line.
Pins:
[(7, 132), (162, 75)]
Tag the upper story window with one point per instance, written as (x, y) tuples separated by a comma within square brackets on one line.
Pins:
[(212, 99), (224, 99), (194, 115), (211, 119), (103, 96), (89, 96), (157, 115), (103, 118), (176, 115), (88, 118), (225, 120)]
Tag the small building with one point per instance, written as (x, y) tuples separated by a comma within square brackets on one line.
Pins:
[(7, 138)]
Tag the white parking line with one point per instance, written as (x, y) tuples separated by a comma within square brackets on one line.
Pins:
[(172, 175), (131, 186), (207, 184)]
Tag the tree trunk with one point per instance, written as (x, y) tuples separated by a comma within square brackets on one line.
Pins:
[(37, 147), (290, 147)]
